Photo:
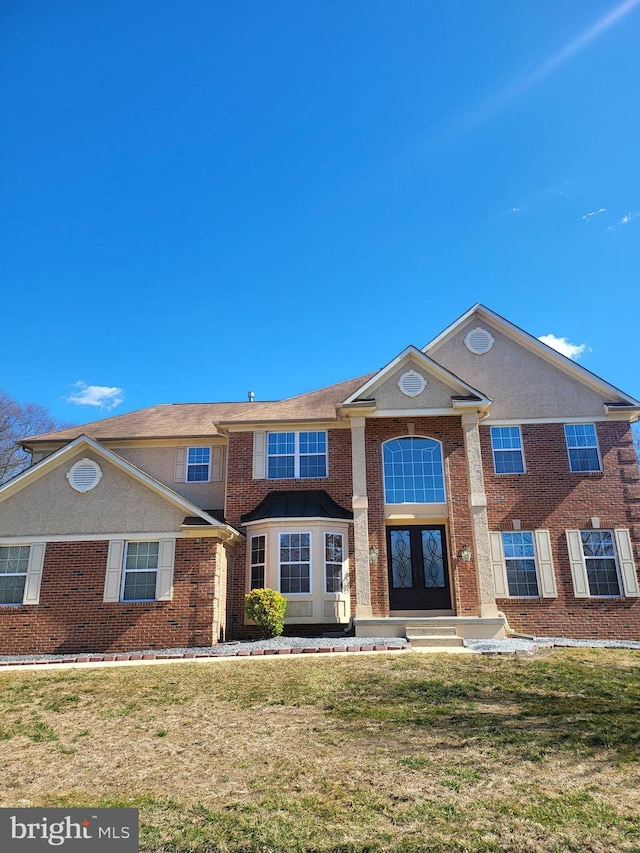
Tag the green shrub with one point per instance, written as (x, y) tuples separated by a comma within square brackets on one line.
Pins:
[(267, 608)]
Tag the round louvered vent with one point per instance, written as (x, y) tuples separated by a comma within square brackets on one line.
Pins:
[(479, 341), (412, 383), (84, 475)]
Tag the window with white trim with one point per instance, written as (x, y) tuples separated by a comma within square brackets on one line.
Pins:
[(520, 564), (413, 471), (14, 562), (140, 571), (582, 447), (601, 563), (258, 549), (506, 444), (295, 563), (333, 562), (296, 455), (198, 464)]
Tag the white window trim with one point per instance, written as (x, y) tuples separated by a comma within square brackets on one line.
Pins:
[(625, 566), (543, 559), (252, 564), (415, 503), (33, 575), (115, 571), (597, 447), (310, 563), (197, 464), (326, 563), (296, 453), (508, 450)]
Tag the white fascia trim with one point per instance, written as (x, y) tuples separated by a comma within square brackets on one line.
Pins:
[(534, 345), (306, 519), (93, 537), (73, 447), (412, 353), (516, 421), (414, 413), (284, 425)]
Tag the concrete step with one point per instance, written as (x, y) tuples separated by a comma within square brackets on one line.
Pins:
[(431, 631), (437, 641)]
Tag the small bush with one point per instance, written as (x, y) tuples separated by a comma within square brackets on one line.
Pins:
[(267, 608)]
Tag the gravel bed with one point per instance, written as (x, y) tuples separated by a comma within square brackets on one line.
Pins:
[(513, 645)]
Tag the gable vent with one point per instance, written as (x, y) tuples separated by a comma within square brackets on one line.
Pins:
[(84, 475), (479, 341), (412, 383)]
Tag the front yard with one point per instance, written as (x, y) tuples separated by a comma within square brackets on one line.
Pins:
[(386, 752)]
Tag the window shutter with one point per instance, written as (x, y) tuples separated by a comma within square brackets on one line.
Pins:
[(627, 567), (180, 472), (164, 583), (545, 564), (34, 573), (578, 566), (497, 563), (216, 463), (259, 454), (115, 556)]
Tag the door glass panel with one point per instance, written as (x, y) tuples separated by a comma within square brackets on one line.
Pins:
[(402, 576), (432, 560)]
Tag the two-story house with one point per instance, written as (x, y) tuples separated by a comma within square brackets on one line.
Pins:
[(480, 481)]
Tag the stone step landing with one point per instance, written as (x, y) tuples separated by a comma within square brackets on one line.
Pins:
[(433, 637)]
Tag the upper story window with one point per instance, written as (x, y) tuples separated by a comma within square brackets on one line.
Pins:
[(582, 446), (293, 455), (506, 443), (413, 471), (198, 464)]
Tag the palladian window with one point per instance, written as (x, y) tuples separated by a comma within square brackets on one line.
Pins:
[(413, 471)]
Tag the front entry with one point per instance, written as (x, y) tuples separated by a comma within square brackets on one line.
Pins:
[(418, 571)]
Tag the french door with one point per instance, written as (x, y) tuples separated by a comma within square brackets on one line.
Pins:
[(418, 569)]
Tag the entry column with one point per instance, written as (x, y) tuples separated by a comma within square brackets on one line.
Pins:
[(479, 517), (360, 504)]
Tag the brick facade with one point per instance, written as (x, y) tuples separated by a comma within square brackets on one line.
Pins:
[(72, 617)]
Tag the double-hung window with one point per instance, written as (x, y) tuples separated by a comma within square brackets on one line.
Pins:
[(582, 447), (601, 564), (295, 563), (140, 571), (333, 562), (198, 464), (506, 443), (293, 455), (257, 561), (14, 561), (520, 563)]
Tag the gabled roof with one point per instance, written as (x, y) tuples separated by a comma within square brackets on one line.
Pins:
[(534, 345), (315, 406), (76, 446), (172, 420), (462, 390)]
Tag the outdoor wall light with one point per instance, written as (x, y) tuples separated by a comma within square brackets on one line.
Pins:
[(373, 554), (465, 553)]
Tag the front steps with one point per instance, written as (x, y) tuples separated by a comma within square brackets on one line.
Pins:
[(460, 627), (433, 638)]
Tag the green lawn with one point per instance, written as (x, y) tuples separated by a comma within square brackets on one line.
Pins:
[(388, 752)]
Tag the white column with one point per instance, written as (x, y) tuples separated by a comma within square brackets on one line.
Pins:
[(479, 518), (360, 504)]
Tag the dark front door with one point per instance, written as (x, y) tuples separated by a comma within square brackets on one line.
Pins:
[(418, 571)]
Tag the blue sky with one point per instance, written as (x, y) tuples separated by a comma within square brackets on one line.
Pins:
[(200, 198)]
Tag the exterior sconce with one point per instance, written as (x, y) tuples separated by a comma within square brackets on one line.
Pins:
[(373, 554), (465, 553)]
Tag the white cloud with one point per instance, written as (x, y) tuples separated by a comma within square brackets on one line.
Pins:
[(562, 345), (628, 217), (594, 213), (104, 396)]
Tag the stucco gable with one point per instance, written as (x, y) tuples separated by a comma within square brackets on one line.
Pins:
[(40, 500), (525, 378), (443, 391)]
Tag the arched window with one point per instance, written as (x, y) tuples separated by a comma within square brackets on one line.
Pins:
[(413, 471)]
